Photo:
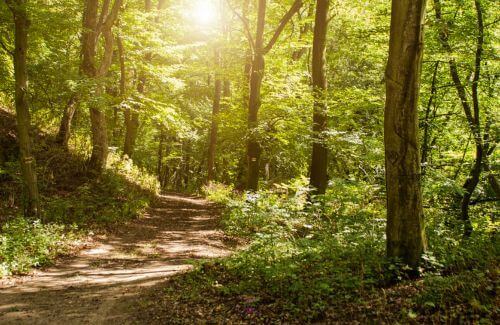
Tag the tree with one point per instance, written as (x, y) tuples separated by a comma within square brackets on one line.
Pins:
[(319, 164), (472, 112), (259, 50), (65, 126), (93, 28), (132, 116), (405, 219), (215, 116), (27, 160)]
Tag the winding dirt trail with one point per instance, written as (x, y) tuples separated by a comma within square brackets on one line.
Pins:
[(101, 284)]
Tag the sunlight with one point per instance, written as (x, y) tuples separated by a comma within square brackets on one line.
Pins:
[(204, 12)]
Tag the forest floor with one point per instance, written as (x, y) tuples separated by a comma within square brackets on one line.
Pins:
[(104, 283)]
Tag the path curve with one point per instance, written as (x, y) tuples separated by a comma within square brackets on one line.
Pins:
[(101, 284)]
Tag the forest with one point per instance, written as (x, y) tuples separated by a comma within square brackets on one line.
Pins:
[(249, 161)]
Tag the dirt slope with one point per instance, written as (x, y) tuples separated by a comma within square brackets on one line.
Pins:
[(101, 284)]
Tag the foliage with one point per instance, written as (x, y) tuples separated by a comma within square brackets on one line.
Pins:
[(218, 193), (26, 243), (308, 261)]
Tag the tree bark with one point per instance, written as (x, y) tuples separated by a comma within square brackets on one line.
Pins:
[(27, 160), (93, 28), (304, 30), (257, 74), (256, 77), (405, 220), (215, 119), (132, 116), (319, 163), (64, 133), (159, 167), (131, 128)]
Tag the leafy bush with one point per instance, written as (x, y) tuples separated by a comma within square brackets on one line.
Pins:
[(308, 260), (218, 193), (25, 244)]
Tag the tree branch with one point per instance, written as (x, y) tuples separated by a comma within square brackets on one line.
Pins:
[(246, 26), (286, 18), (108, 38), (462, 94)]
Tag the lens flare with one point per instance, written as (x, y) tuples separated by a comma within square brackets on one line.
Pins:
[(204, 12)]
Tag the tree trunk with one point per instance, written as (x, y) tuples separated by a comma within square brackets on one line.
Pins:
[(99, 155), (27, 161), (132, 116), (469, 187), (117, 131), (65, 127), (405, 220), (304, 30), (93, 28), (215, 119), (253, 145), (159, 167), (257, 74), (131, 128), (319, 164)]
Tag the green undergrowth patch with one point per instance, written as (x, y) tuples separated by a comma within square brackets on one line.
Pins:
[(121, 193), (74, 204), (26, 243), (325, 260)]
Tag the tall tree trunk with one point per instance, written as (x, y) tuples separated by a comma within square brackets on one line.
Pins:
[(159, 167), (27, 161), (116, 131), (132, 116), (215, 119), (99, 155), (257, 75), (248, 55), (319, 164), (405, 220), (131, 128), (253, 144), (93, 28), (64, 132)]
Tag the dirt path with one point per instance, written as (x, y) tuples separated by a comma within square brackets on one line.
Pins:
[(100, 284)]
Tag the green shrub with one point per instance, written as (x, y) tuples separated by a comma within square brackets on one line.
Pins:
[(25, 244), (218, 193), (305, 258)]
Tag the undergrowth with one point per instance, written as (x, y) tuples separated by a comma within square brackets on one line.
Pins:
[(71, 201), (326, 261), (121, 193), (25, 244)]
